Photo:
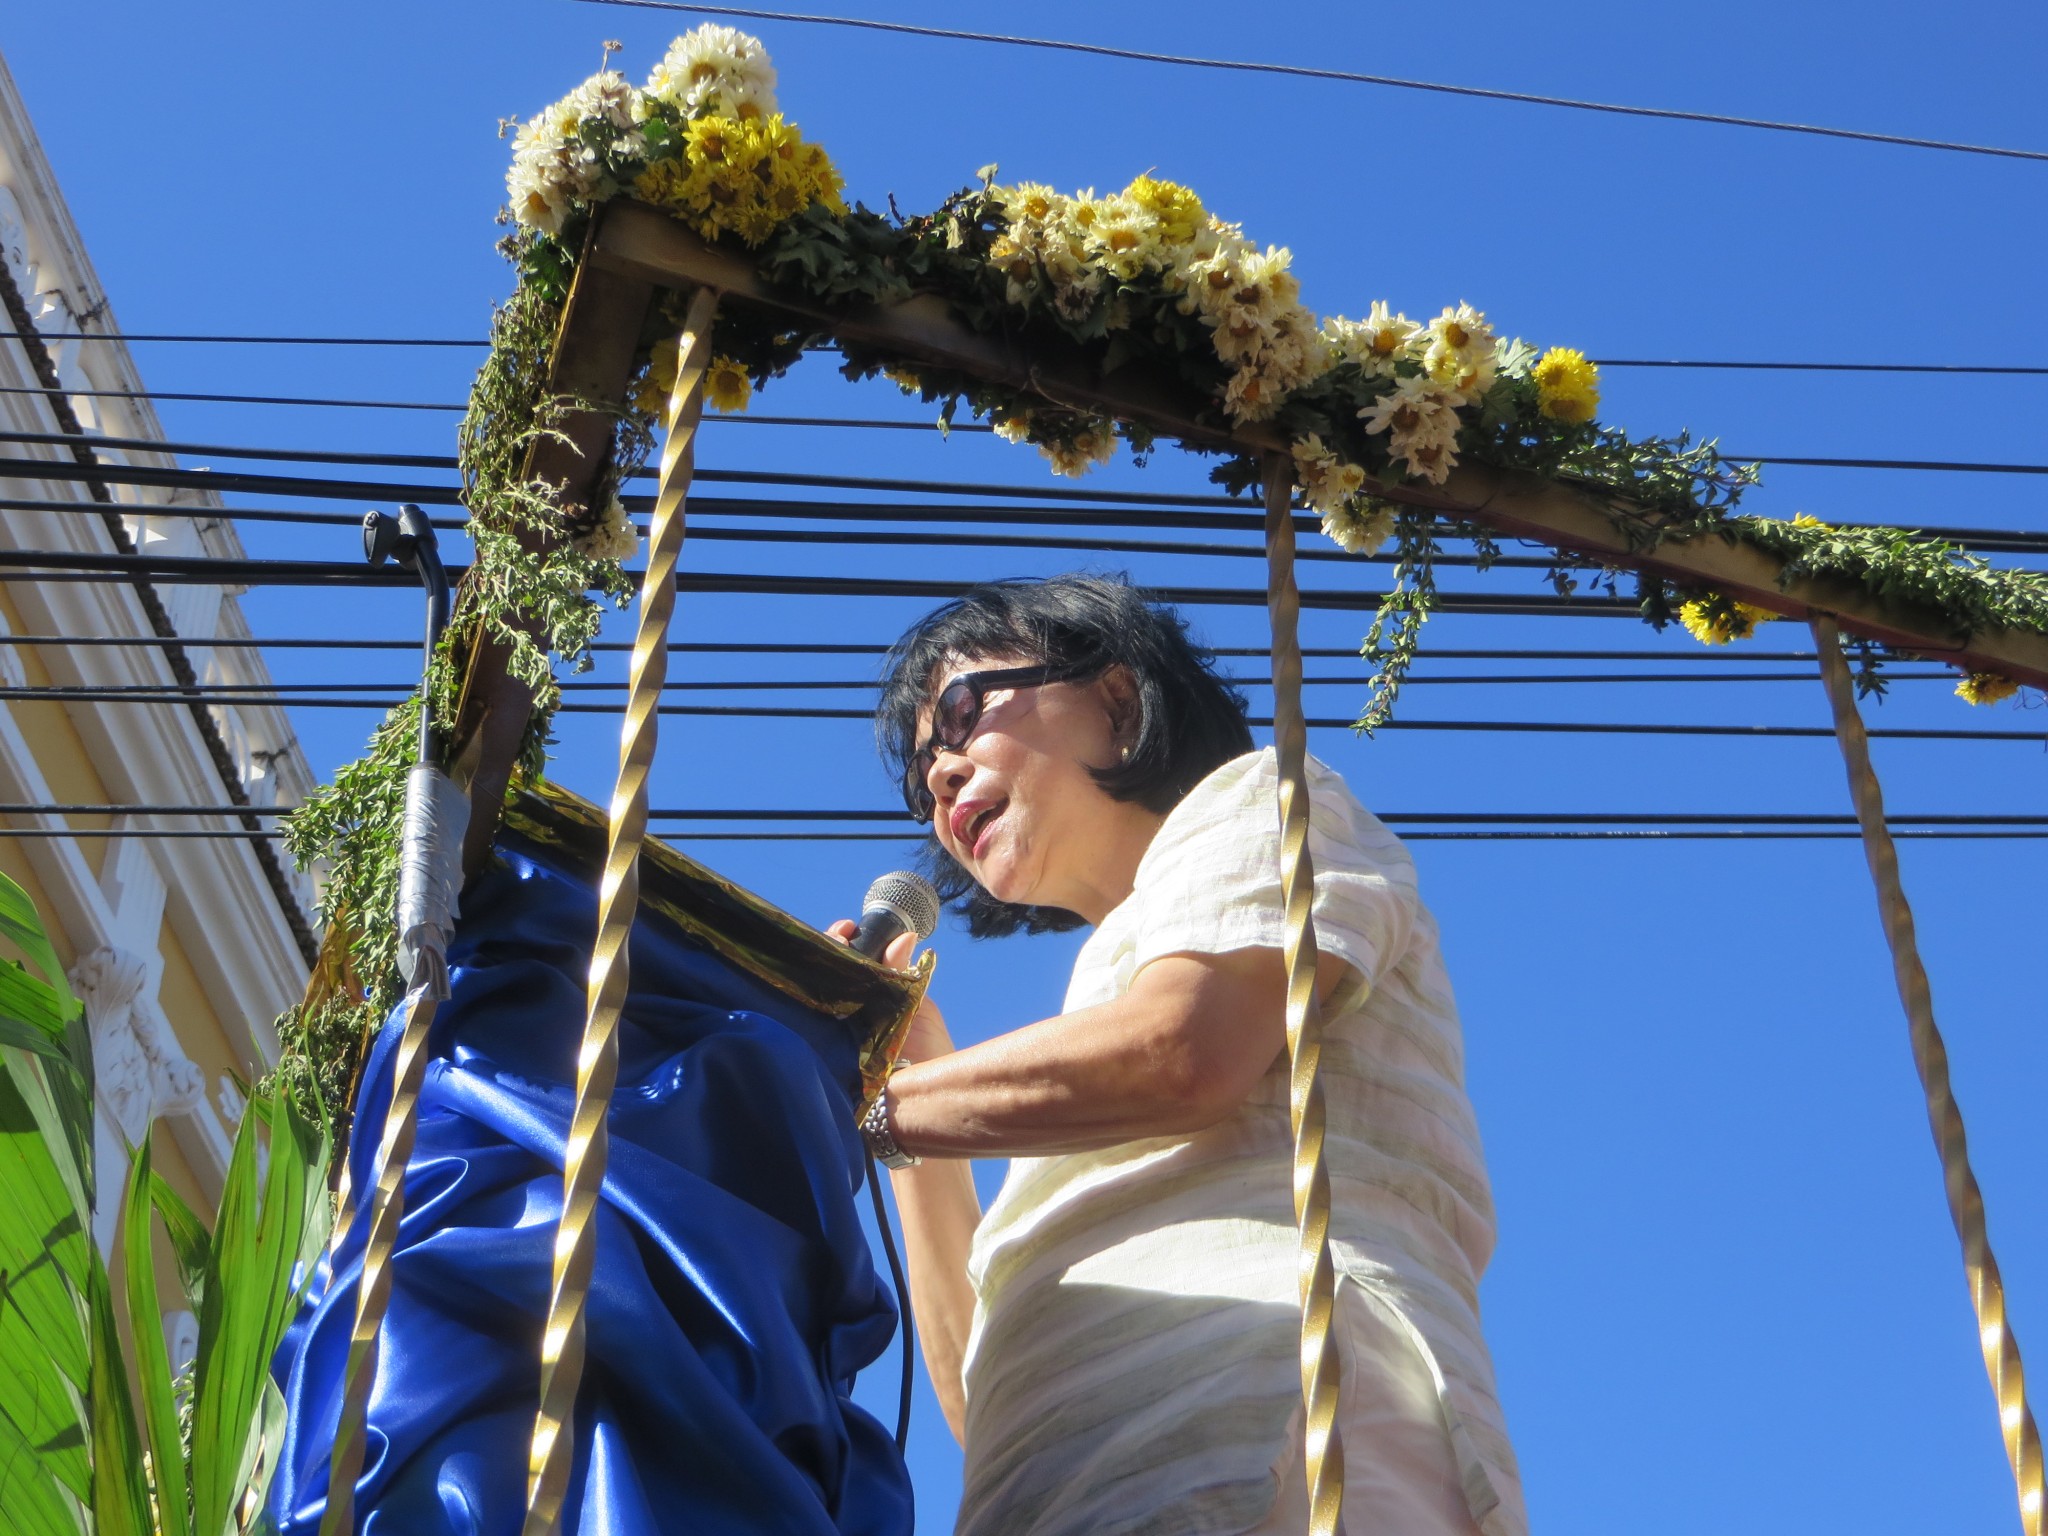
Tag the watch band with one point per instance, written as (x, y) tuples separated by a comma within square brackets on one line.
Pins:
[(881, 1142)]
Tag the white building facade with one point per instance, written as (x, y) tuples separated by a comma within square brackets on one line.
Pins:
[(184, 950)]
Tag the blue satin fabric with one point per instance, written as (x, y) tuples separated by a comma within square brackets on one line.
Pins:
[(734, 1297)]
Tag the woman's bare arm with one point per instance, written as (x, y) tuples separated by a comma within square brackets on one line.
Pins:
[(937, 1203), (1179, 1051)]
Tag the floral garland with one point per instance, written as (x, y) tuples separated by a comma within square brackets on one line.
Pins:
[(1144, 274)]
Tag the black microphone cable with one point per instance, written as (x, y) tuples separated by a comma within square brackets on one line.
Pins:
[(902, 1302)]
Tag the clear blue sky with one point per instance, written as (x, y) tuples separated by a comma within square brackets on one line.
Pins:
[(1727, 1295)]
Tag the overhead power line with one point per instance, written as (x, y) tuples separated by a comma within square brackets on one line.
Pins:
[(1419, 835), (778, 509), (876, 648), (1391, 818), (398, 689), (761, 477), (1309, 72), (826, 712), (250, 341)]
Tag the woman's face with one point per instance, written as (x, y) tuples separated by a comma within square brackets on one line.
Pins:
[(1015, 804)]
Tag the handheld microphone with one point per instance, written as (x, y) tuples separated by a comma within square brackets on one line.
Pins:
[(897, 903)]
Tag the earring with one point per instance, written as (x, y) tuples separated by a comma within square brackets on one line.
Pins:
[(1124, 756)]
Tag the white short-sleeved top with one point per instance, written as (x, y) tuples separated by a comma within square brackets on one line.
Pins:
[(1133, 1366)]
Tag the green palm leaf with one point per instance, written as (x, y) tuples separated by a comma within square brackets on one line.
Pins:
[(45, 1267), (152, 1361), (263, 1244), (120, 1501)]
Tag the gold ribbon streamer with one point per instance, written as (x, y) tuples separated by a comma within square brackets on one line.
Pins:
[(1944, 1116), (1319, 1365), (373, 1290), (562, 1344)]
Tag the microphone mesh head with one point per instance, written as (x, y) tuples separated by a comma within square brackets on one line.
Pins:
[(910, 897)]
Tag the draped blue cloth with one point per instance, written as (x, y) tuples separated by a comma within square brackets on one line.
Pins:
[(734, 1297)]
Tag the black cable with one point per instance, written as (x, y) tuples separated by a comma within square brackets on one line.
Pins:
[(1425, 836), (771, 477), (1303, 71), (902, 1302), (826, 648), (1982, 541), (1390, 818), (56, 565), (797, 712), (214, 399), (245, 340)]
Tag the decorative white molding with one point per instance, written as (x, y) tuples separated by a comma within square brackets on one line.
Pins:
[(230, 1101), (138, 1071)]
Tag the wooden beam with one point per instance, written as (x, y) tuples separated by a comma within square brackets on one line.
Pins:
[(1578, 520), (593, 358), (634, 240)]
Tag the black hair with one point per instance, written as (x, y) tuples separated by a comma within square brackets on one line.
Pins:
[(1191, 721)]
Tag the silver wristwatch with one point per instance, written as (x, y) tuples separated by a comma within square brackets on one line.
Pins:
[(874, 1130)]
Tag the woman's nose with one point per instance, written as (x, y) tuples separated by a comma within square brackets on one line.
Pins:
[(949, 771)]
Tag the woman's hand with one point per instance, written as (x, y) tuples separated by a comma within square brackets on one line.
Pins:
[(928, 1036)]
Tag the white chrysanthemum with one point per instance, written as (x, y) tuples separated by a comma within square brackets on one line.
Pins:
[(715, 70), (1375, 343), (1359, 526), (537, 199), (1014, 429), (1460, 351), (1122, 237), (1326, 481), (1420, 418), (606, 96), (1030, 203), (613, 538), (1083, 451)]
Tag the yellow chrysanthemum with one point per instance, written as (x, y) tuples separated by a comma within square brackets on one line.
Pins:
[(1567, 385), (1986, 687), (1717, 620), (904, 379), (726, 385), (660, 378), (1805, 520), (1177, 211), (742, 176)]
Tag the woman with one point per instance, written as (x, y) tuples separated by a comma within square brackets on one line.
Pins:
[(1115, 1342)]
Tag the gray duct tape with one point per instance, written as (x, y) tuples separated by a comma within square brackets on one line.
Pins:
[(429, 876)]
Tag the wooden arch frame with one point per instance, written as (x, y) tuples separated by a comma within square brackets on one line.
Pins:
[(630, 255)]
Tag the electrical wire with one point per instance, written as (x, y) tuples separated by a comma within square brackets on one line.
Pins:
[(1391, 818), (401, 688), (1683, 834), (876, 648), (247, 340), (766, 509), (448, 461), (407, 405), (822, 712), (49, 565), (1349, 77)]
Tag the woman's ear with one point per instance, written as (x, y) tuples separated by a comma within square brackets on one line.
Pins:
[(1118, 689)]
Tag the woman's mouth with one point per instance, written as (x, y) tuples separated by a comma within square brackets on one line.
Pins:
[(972, 824)]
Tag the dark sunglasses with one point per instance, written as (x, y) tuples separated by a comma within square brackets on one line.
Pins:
[(958, 711)]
